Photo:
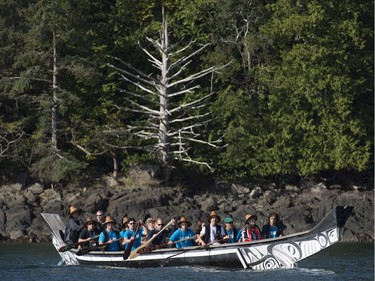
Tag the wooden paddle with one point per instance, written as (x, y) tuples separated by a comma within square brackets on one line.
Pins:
[(74, 245), (62, 235), (128, 249), (96, 248), (157, 247), (135, 253)]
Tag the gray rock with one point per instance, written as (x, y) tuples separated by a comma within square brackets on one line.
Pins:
[(35, 189), (208, 205), (300, 209), (256, 192)]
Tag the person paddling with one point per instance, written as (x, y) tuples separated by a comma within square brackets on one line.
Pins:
[(158, 238), (133, 235), (89, 234), (212, 232), (109, 235), (182, 233)]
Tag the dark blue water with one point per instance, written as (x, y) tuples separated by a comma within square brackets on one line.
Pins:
[(343, 261)]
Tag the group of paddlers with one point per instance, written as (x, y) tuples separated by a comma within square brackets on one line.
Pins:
[(104, 233)]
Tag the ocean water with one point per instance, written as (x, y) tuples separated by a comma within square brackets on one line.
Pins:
[(29, 261)]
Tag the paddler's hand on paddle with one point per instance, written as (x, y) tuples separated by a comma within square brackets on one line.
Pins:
[(200, 240), (127, 241)]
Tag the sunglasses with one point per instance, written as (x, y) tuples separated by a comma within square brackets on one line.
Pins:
[(131, 223), (161, 224), (90, 223)]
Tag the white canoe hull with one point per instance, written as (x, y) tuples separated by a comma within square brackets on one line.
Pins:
[(282, 252)]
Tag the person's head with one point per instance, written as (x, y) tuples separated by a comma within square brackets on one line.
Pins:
[(109, 223), (124, 224), (150, 223), (213, 219), (228, 223), (100, 216), (250, 219), (90, 223), (131, 223), (74, 212), (273, 219), (184, 223), (159, 223)]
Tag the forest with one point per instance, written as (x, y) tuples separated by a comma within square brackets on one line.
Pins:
[(227, 89)]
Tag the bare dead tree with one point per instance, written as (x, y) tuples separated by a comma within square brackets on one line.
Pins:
[(8, 139), (170, 122)]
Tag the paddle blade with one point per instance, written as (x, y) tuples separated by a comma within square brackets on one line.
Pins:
[(64, 248), (85, 251), (133, 255), (127, 251)]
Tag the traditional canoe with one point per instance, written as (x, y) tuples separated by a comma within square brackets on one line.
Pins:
[(281, 252)]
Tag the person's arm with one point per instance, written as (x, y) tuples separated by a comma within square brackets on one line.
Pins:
[(83, 236), (101, 238), (127, 238), (150, 234), (173, 237), (265, 231), (74, 226), (201, 235)]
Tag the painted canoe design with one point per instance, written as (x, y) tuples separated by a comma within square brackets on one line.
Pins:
[(265, 254)]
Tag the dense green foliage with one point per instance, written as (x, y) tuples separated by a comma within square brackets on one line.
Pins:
[(296, 99)]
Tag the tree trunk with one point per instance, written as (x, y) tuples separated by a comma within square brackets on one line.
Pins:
[(54, 97), (164, 142)]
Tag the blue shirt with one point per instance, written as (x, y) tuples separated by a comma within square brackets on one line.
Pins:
[(233, 239), (179, 235), (273, 232), (138, 238), (111, 236)]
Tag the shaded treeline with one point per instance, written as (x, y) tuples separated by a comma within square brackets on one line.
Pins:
[(294, 99)]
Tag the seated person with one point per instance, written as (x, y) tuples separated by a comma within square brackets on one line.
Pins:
[(212, 233), (90, 233), (73, 226), (109, 236), (232, 234), (252, 231), (183, 233), (160, 238), (274, 228), (132, 235)]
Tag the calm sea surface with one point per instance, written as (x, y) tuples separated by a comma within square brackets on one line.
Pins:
[(343, 261)]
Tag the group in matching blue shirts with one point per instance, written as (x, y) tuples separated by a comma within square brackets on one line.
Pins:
[(134, 233)]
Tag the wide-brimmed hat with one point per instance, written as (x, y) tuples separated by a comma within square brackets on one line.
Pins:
[(213, 214), (108, 219), (89, 219), (183, 219), (125, 220), (249, 216), (72, 210)]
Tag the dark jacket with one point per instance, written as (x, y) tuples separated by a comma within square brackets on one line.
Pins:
[(72, 230), (160, 239)]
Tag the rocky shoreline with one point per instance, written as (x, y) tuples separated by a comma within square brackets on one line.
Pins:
[(300, 208)]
